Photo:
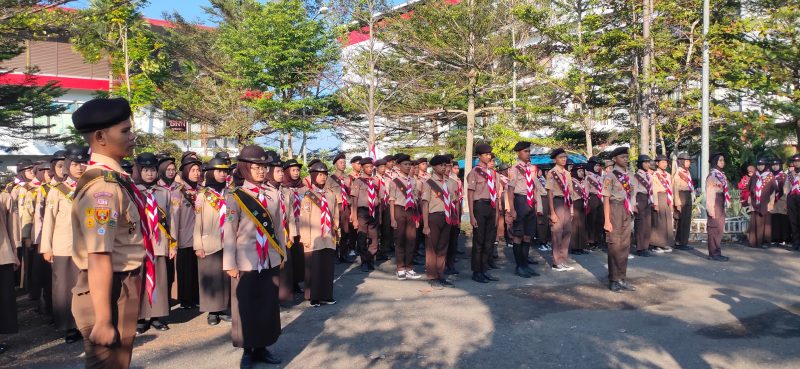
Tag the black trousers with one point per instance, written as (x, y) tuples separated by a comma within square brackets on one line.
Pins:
[(452, 248), (793, 204), (188, 288), (483, 236), (683, 218), (41, 280), (367, 241), (385, 228), (643, 222)]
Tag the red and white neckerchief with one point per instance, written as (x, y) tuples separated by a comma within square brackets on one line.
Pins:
[(529, 186), (150, 256), (152, 215), (223, 208), (459, 191), (721, 178), (760, 185), (345, 193), (36, 182), (564, 188), (581, 187), (18, 181), (382, 188), (686, 176), (648, 185), (284, 218), (596, 182), (372, 195), (296, 204), (410, 203), (664, 180), (448, 211), (491, 183), (71, 183), (625, 180), (261, 237), (795, 185), (324, 212)]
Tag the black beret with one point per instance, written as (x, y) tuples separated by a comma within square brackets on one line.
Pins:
[(570, 161), (643, 158), (595, 160), (365, 161), (126, 165), (77, 153), (483, 148), (98, 114), (163, 158), (291, 163), (415, 162), (422, 160), (273, 160), (763, 161), (146, 159), (339, 156), (660, 157), (622, 150), (355, 159), (522, 145), (380, 162), (684, 156), (317, 167), (795, 157), (59, 155), (502, 166), (439, 159), (401, 158), (23, 165), (557, 152), (253, 154), (777, 161), (217, 163), (389, 158), (449, 157)]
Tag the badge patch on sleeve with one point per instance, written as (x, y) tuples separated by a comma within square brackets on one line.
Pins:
[(90, 223), (102, 215)]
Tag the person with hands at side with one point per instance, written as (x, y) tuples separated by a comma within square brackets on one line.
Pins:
[(183, 199), (644, 206), (618, 204), (662, 237), (438, 214), (524, 203), (482, 202), (404, 215), (683, 186), (292, 189), (9, 263), (364, 214), (718, 199), (762, 187), (56, 246), (559, 197)]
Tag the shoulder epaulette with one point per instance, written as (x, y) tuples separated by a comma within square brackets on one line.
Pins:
[(110, 176)]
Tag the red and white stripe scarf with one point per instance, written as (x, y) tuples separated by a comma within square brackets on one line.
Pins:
[(372, 195), (664, 180), (529, 187), (760, 185), (721, 178), (324, 213)]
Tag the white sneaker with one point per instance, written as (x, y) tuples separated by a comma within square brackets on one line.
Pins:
[(562, 268), (542, 247), (401, 275), (412, 275), (657, 250), (630, 256), (665, 249)]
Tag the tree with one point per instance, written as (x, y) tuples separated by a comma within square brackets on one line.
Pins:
[(22, 21), (458, 45)]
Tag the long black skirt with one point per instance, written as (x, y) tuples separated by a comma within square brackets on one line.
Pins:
[(781, 229), (319, 274), (8, 300), (65, 275), (579, 236), (215, 284), (186, 270), (255, 309), (286, 278)]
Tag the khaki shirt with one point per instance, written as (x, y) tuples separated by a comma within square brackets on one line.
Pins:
[(359, 192), (13, 208), (477, 183), (207, 232), (612, 187), (164, 201), (594, 184), (680, 183), (8, 252), (553, 185), (781, 206), (106, 220), (38, 210), (182, 204), (309, 222), (239, 246), (713, 187), (334, 187), (383, 192), (638, 186), (658, 186), (434, 198), (578, 186), (290, 199), (397, 196), (26, 200), (57, 220), (517, 180)]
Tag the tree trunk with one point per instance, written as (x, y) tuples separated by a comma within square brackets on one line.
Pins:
[(283, 137), (588, 132), (471, 92), (289, 152), (644, 133), (303, 145), (371, 113), (797, 132)]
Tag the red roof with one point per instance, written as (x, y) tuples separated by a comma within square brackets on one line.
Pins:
[(361, 35), (63, 82), (151, 21)]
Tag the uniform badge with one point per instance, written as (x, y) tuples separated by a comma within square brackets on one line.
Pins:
[(112, 223), (101, 231), (102, 215), (114, 215), (102, 202), (89, 223), (89, 212)]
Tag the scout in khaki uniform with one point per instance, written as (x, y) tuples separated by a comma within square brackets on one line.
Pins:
[(183, 200), (559, 197), (109, 234), (618, 204), (595, 235), (293, 189), (781, 229), (8, 264), (274, 183), (483, 202), (543, 226), (338, 183), (438, 214), (384, 224), (717, 200), (662, 237), (24, 190), (404, 215), (364, 214), (209, 222), (40, 286), (523, 206), (762, 200), (458, 201), (580, 198), (18, 191), (167, 173), (792, 191), (684, 186), (644, 203), (316, 223), (254, 248), (56, 246), (160, 221)]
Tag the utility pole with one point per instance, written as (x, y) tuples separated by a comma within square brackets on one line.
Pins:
[(644, 134), (704, 132)]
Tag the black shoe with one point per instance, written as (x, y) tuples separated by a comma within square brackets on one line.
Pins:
[(493, 265), (142, 326), (159, 325), (247, 359), (3, 349), (225, 317), (719, 258), (643, 253), (478, 277), (297, 289), (314, 303), (683, 247), (381, 257), (446, 283), (187, 306), (73, 335), (764, 247), (371, 266), (435, 284), (531, 271), (212, 319), (490, 277), (263, 355), (365, 268), (521, 272), (532, 261), (615, 287), (626, 286), (327, 302)]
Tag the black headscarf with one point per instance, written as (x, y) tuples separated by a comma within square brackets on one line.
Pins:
[(271, 176), (39, 173), (314, 176), (714, 160), (574, 171), (212, 182), (162, 172), (185, 174)]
